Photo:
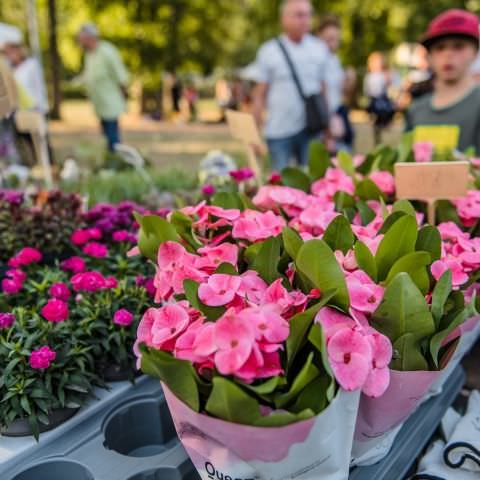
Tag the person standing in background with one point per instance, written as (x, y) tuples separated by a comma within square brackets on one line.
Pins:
[(276, 91), (176, 92), (105, 79)]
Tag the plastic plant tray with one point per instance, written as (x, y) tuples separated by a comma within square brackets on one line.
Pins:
[(414, 435), (127, 434)]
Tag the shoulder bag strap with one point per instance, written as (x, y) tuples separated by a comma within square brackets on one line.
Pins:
[(291, 68)]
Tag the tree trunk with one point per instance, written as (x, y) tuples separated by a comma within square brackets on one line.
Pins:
[(55, 63)]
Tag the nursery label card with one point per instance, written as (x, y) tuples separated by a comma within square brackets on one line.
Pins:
[(243, 127), (430, 181), (443, 137)]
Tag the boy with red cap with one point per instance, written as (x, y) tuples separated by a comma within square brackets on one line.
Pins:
[(452, 41)]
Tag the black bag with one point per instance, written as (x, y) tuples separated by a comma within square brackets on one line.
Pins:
[(316, 107)]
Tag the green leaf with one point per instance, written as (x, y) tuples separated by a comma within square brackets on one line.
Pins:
[(343, 200), (292, 242), (404, 206), (226, 268), (390, 220), (446, 212), (403, 310), (280, 419), (251, 252), (317, 262), (366, 260), (295, 178), (230, 402), (366, 213), (178, 375), (397, 242), (345, 162), (265, 388), (313, 396), (409, 263), (407, 354), (266, 261), (440, 295), (10, 366), (308, 372), (404, 149), (318, 159), (339, 234), (191, 292), (25, 404), (183, 225), (368, 190), (429, 239), (300, 324), (228, 200), (153, 232)]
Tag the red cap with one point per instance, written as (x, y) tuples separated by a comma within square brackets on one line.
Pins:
[(452, 22)]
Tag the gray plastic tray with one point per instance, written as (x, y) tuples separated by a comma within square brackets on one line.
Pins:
[(126, 435), (414, 435)]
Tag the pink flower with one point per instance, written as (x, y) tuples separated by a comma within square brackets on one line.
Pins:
[(275, 178), (423, 151), (269, 325), (55, 311), (11, 286), (384, 181), (186, 346), (451, 232), (316, 219), (212, 257), (333, 321), (16, 274), (335, 180), (379, 376), (469, 208), (234, 339), (123, 236), (95, 249), (6, 320), (459, 277), (123, 317), (350, 358), (242, 174), (253, 287), (60, 291), (94, 233), (80, 237), (73, 264), (219, 290), (208, 190), (25, 256), (111, 282), (255, 226), (365, 295), (168, 323), (88, 281), (41, 358)]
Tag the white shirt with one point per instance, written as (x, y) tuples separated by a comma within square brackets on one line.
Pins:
[(29, 75), (285, 107), (334, 79)]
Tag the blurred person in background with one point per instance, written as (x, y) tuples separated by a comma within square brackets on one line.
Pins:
[(105, 79), (340, 135), (376, 84), (276, 91)]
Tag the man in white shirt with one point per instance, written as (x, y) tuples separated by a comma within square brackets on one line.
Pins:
[(285, 127)]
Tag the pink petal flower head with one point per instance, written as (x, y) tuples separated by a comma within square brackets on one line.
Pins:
[(450, 231), (316, 219), (459, 277), (252, 287), (365, 295), (469, 208), (60, 291), (384, 181), (95, 249), (256, 226), (186, 342), (55, 311), (208, 190), (16, 274), (123, 317), (123, 236), (169, 322), (26, 256), (80, 237), (6, 320), (94, 233), (212, 257), (275, 178), (170, 255), (111, 282), (11, 286), (350, 358), (377, 382), (333, 321), (242, 174), (73, 264), (88, 281), (348, 262), (423, 151), (269, 325), (335, 180), (234, 339), (42, 358), (219, 290)]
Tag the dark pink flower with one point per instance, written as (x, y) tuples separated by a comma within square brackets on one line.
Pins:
[(73, 264), (123, 317), (94, 233), (88, 281), (95, 249), (242, 174), (111, 282), (208, 189), (11, 286), (124, 236), (25, 256), (275, 178), (42, 358), (60, 291), (80, 237), (16, 274), (6, 320), (55, 311)]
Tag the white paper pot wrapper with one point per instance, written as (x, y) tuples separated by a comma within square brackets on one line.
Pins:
[(318, 448)]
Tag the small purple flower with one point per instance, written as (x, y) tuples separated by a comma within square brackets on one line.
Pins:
[(6, 320)]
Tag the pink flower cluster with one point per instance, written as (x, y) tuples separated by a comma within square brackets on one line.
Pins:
[(358, 354), (6, 320), (73, 265), (423, 151), (42, 358), (244, 342), (92, 281), (55, 311), (468, 208), (81, 237), (123, 317), (26, 256), (13, 283), (242, 174), (460, 254)]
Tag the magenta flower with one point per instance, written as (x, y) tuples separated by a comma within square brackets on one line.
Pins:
[(219, 290), (95, 249), (208, 190), (94, 233), (55, 311), (11, 286), (26, 256), (111, 282), (6, 320), (384, 181), (88, 281), (123, 236), (275, 178), (423, 151), (123, 317), (16, 274), (60, 291), (41, 358), (242, 174), (234, 339), (80, 237), (73, 264), (468, 208)]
